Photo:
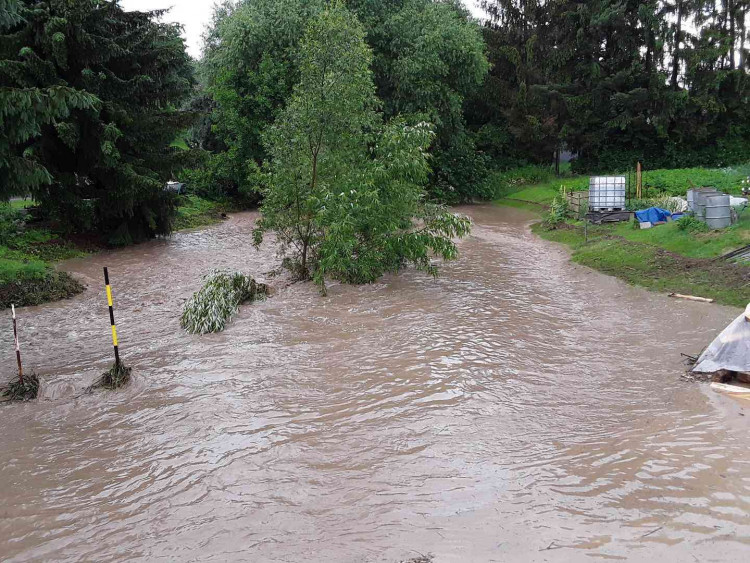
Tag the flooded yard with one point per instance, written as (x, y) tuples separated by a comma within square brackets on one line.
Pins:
[(518, 408)]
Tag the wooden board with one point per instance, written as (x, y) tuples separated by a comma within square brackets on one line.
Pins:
[(732, 388)]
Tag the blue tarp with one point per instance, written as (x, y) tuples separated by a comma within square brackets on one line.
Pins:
[(652, 215)]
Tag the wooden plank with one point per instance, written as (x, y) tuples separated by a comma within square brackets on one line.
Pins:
[(732, 388), (691, 298)]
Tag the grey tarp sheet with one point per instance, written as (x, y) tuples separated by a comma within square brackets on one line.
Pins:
[(730, 350)]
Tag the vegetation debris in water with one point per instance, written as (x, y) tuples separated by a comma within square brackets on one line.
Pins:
[(214, 305), (24, 389), (115, 377), (421, 559)]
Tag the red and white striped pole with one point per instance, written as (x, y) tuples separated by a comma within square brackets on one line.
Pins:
[(18, 348)]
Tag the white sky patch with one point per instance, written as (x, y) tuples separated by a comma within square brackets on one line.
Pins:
[(195, 15)]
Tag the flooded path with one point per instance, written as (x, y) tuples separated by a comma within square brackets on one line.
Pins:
[(519, 408)]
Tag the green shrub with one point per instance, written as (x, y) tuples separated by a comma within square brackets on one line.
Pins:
[(217, 177), (663, 201), (502, 184), (195, 211), (692, 225), (115, 377), (559, 211), (460, 173), (12, 223), (678, 181), (214, 305)]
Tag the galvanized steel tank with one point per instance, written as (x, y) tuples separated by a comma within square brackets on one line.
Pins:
[(699, 201), (691, 198), (718, 211)]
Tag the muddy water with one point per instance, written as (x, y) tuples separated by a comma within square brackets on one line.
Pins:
[(519, 408)]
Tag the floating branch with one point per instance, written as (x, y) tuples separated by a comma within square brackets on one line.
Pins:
[(214, 305)]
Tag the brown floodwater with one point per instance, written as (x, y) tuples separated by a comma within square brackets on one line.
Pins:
[(518, 408)]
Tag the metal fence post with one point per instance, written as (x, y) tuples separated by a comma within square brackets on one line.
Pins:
[(112, 317)]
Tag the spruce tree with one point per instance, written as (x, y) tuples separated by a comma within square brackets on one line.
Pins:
[(96, 165), (24, 111)]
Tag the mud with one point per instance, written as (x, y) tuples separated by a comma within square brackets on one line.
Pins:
[(518, 408)]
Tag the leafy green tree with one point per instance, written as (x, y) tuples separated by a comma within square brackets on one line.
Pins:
[(346, 197), (519, 114), (250, 68), (615, 81), (428, 57), (9, 13), (96, 165)]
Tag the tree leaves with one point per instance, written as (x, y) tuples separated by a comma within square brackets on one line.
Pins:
[(87, 97), (346, 193), (214, 305)]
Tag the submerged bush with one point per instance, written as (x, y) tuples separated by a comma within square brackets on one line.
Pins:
[(23, 390), (114, 378), (214, 305), (34, 284)]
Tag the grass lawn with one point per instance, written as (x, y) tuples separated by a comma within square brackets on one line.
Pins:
[(26, 275), (21, 203), (196, 212), (693, 245), (180, 141), (663, 258)]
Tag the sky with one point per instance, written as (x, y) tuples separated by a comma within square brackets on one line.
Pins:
[(195, 14)]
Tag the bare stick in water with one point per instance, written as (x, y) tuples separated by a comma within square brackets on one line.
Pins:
[(18, 348)]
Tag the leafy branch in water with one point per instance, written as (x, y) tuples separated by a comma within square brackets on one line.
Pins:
[(214, 305)]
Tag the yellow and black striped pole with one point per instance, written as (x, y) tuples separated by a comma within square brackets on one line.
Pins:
[(112, 317)]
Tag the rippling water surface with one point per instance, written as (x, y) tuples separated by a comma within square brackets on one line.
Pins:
[(518, 408)]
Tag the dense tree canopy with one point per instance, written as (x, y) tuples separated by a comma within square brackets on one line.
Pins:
[(93, 92), (428, 57), (615, 81), (345, 195)]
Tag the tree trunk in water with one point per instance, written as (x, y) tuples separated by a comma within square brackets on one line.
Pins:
[(676, 48), (313, 183), (304, 257)]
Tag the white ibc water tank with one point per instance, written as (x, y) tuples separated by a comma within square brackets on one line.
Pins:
[(607, 193)]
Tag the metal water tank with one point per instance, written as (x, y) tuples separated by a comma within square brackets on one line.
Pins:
[(699, 201), (607, 193), (691, 199), (718, 211)]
